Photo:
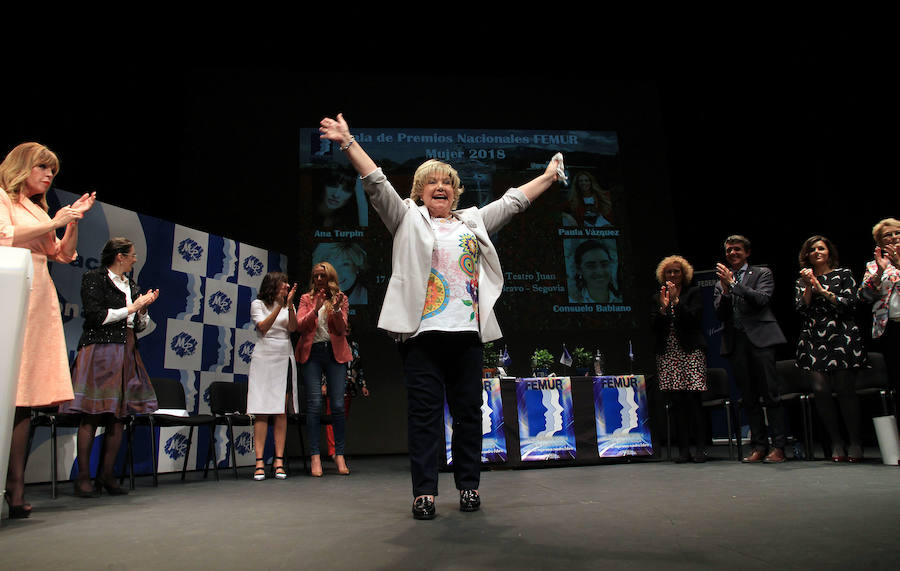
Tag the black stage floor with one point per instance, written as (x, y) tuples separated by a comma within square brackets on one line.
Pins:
[(641, 515)]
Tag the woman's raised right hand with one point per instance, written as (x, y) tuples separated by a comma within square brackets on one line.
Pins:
[(144, 300), (335, 129), (319, 299), (65, 215)]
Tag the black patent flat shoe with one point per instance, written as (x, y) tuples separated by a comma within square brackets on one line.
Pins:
[(469, 501), (423, 508)]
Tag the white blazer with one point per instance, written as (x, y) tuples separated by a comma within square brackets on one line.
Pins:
[(410, 225)]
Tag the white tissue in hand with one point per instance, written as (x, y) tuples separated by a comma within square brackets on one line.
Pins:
[(560, 167)]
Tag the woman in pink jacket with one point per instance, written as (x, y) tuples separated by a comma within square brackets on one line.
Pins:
[(323, 348), (44, 380)]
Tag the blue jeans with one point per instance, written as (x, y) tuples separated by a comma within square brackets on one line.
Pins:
[(321, 360)]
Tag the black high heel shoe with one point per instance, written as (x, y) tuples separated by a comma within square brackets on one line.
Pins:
[(259, 474), (280, 473), (20, 511), (111, 490), (94, 492)]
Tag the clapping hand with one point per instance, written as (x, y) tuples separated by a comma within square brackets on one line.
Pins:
[(144, 300), (807, 275), (886, 255), (65, 215), (893, 252), (725, 275), (319, 299), (338, 301), (674, 291), (85, 203), (664, 298), (290, 295)]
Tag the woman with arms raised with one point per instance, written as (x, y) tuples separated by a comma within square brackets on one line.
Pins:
[(439, 305)]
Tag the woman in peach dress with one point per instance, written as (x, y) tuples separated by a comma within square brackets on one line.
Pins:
[(25, 176)]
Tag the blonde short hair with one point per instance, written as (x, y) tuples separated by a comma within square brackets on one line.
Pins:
[(878, 229), (17, 165), (687, 270), (431, 166)]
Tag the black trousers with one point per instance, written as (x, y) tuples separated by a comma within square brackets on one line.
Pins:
[(889, 345), (757, 378), (435, 363), (690, 422)]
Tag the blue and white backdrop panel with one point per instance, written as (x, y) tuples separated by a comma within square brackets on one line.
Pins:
[(493, 437)]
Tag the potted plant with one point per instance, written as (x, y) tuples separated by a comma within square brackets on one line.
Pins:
[(582, 360), (489, 361), (541, 360)]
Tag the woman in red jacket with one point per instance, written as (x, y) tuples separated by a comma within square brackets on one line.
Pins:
[(323, 348)]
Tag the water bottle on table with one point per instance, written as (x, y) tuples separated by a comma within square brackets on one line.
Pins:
[(598, 363)]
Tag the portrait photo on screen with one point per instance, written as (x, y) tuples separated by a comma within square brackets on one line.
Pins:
[(350, 261), (339, 200), (592, 270), (587, 203)]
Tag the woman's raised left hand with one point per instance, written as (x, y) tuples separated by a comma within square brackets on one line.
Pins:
[(808, 276), (85, 202), (291, 294), (551, 170)]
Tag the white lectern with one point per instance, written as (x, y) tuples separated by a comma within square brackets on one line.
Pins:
[(16, 273)]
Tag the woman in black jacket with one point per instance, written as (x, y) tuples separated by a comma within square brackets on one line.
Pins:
[(108, 376), (681, 352)]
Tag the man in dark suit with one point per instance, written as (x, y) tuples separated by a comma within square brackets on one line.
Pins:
[(742, 299)]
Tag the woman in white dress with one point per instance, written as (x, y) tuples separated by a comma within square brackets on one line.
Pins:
[(273, 371)]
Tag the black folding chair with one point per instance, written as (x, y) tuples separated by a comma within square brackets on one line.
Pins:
[(874, 382), (228, 403), (715, 395), (50, 417), (170, 395)]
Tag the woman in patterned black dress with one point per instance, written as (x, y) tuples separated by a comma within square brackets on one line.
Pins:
[(681, 352), (830, 347)]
